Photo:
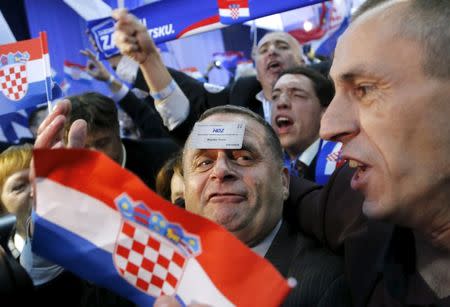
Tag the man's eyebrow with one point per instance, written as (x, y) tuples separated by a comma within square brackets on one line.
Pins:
[(249, 146), (356, 72)]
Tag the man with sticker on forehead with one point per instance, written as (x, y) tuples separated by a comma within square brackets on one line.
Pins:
[(234, 175)]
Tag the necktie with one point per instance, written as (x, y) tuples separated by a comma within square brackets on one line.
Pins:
[(299, 168)]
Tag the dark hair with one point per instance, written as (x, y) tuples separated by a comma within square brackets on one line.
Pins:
[(323, 87), (425, 22), (271, 137), (99, 112), (32, 119), (165, 174)]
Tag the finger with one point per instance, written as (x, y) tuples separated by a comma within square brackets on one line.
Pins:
[(166, 301), (91, 67), (51, 134), (123, 38), (77, 134), (119, 13), (62, 108), (89, 54)]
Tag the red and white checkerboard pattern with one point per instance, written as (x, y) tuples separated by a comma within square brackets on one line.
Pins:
[(13, 81), (148, 261), (234, 11)]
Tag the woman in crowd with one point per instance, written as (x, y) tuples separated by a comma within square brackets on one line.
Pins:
[(15, 191)]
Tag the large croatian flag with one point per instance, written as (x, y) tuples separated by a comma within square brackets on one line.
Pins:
[(25, 74), (101, 222)]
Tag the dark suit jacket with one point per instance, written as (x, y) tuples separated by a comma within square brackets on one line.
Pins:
[(319, 273), (334, 216), (146, 157)]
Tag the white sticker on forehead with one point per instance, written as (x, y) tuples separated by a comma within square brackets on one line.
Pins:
[(217, 135)]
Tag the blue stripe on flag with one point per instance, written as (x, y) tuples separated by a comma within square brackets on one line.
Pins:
[(36, 94), (84, 259)]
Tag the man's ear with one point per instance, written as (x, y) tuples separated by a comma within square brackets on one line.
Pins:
[(285, 181)]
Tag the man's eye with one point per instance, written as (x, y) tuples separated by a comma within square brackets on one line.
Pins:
[(204, 164), (262, 50), (275, 97), (244, 159), (362, 90)]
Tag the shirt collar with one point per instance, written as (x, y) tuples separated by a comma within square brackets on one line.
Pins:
[(308, 155), (124, 156), (266, 104), (262, 248)]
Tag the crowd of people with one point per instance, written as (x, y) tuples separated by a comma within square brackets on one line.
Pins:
[(342, 180)]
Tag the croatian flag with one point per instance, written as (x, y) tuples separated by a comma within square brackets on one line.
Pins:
[(328, 160), (232, 11), (76, 71), (194, 73), (101, 222), (25, 75)]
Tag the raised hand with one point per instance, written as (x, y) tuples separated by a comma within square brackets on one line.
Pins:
[(132, 38), (95, 68), (50, 132)]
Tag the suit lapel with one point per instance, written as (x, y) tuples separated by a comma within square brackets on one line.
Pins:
[(283, 249)]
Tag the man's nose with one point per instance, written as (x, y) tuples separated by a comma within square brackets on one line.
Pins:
[(223, 168), (272, 49), (283, 101), (339, 122)]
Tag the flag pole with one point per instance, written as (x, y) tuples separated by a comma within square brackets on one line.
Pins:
[(46, 62)]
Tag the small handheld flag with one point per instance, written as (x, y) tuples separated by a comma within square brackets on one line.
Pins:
[(25, 76)]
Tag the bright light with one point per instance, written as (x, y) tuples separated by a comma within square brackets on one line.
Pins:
[(307, 25)]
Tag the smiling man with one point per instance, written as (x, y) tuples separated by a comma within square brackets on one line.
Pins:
[(299, 98), (244, 190)]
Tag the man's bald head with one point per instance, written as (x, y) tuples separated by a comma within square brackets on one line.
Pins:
[(423, 21)]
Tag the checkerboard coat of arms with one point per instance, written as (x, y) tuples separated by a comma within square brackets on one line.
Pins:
[(13, 75), (150, 252)]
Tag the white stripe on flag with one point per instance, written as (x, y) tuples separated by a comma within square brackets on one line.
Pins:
[(243, 12), (204, 291), (68, 208), (35, 71)]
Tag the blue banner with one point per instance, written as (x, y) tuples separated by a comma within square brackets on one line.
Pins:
[(171, 19)]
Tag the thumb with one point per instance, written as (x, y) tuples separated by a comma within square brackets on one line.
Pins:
[(77, 134)]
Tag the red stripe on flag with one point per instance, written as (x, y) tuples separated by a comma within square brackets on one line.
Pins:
[(32, 46), (201, 23), (225, 4), (72, 64), (43, 37)]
